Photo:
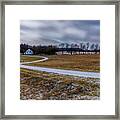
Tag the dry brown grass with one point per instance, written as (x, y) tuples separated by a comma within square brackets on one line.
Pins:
[(45, 86), (25, 58), (72, 62)]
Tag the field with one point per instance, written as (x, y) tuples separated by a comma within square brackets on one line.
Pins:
[(50, 86), (72, 62), (24, 58)]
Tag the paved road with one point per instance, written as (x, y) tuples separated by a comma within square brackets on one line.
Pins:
[(59, 71)]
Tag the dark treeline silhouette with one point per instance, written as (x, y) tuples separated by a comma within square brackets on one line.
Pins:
[(49, 50), (63, 48)]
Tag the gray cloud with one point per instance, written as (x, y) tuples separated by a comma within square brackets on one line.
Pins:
[(46, 32)]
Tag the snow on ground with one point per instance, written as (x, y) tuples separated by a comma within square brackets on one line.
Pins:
[(59, 71), (63, 72)]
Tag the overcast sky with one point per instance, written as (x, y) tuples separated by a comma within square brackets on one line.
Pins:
[(46, 32)]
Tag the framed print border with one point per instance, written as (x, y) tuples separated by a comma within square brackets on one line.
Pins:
[(55, 2)]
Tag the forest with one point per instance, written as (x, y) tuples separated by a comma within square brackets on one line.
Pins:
[(63, 48)]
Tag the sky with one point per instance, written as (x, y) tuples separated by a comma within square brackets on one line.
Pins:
[(55, 32)]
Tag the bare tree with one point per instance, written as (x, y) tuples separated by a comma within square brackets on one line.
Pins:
[(80, 47), (72, 47), (96, 47), (62, 46), (67, 46), (76, 47), (92, 47), (84, 47), (87, 45)]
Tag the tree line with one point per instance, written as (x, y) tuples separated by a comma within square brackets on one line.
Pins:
[(63, 48), (49, 50)]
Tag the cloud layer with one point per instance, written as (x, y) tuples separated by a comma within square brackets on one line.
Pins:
[(47, 32)]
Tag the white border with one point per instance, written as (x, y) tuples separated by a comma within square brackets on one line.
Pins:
[(104, 13)]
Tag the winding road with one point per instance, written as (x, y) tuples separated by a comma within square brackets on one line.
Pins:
[(58, 71), (41, 60)]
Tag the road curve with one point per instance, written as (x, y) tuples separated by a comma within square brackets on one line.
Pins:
[(59, 71), (63, 72), (44, 59)]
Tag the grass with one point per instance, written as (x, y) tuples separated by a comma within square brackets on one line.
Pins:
[(46, 86), (24, 58), (50, 86), (73, 62)]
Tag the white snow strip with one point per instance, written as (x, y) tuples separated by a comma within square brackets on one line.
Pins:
[(63, 72)]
